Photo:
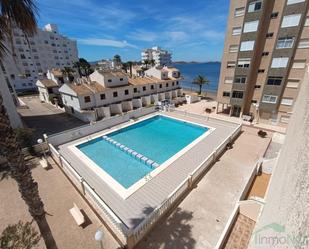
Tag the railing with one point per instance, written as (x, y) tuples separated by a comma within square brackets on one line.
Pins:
[(73, 175), (139, 232), (133, 236)]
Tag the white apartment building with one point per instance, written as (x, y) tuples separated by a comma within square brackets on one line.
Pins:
[(29, 61), (160, 56), (110, 93)]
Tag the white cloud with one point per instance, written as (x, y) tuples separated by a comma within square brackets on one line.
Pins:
[(143, 35), (177, 35), (106, 43)]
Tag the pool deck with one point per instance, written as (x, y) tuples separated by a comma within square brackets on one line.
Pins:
[(141, 203)]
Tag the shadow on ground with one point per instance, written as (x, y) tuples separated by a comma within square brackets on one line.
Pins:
[(171, 233), (51, 124)]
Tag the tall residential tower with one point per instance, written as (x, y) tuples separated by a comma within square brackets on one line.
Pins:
[(31, 57), (265, 53)]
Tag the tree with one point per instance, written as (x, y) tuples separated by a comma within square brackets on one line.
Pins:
[(200, 81), (68, 72), (130, 65), (117, 61), (152, 62), (78, 66), (146, 62), (21, 14), (86, 67), (19, 236)]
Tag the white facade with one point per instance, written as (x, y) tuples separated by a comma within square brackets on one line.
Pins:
[(101, 98), (28, 62), (160, 56), (9, 104)]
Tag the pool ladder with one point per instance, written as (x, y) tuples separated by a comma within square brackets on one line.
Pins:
[(131, 152)]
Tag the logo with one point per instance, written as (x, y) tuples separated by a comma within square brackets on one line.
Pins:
[(275, 234)]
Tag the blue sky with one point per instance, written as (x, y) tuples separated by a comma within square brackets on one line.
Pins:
[(190, 29)]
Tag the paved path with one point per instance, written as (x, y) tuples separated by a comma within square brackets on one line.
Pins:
[(45, 118), (202, 216), (58, 196)]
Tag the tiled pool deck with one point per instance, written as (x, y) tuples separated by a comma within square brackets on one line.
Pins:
[(134, 209)]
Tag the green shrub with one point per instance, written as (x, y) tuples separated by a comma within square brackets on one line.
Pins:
[(24, 136)]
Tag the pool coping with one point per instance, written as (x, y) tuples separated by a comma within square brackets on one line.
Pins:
[(114, 184)]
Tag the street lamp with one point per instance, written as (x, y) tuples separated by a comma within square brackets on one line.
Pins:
[(40, 141), (99, 235)]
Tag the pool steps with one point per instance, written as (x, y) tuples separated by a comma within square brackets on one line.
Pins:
[(131, 152)]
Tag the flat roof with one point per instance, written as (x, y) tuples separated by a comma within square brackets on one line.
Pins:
[(136, 207)]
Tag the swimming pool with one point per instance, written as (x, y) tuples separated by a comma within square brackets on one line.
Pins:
[(133, 152)]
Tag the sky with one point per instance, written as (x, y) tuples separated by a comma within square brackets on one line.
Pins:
[(193, 30)]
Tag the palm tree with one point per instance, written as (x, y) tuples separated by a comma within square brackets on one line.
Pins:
[(146, 62), (200, 81), (130, 65), (152, 62), (21, 14), (68, 72)]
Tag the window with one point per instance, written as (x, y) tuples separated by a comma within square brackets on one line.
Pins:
[(245, 62), (233, 49), (239, 11), (261, 71), (226, 94), (287, 101), (22, 56), (109, 80), (257, 86), (160, 86), (166, 84), (290, 21), (247, 46), (152, 87), (265, 53), (274, 15), (115, 94), (303, 43), (274, 81), (281, 62), (102, 96), (253, 101), (255, 6), (87, 99), (299, 64), (126, 92), (12, 76), (285, 42), (238, 94), (271, 99), (228, 80), (251, 26), (135, 90), (269, 35), (173, 83), (144, 88), (121, 79), (231, 64), (240, 79), (294, 1), (292, 83), (236, 31)]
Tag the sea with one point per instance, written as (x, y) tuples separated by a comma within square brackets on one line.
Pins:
[(189, 71)]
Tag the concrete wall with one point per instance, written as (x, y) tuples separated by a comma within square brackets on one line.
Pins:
[(69, 135)]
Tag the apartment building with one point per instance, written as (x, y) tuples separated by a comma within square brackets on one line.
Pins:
[(265, 53), (113, 92), (160, 56), (31, 57)]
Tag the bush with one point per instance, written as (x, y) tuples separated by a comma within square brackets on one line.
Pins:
[(262, 133), (51, 100)]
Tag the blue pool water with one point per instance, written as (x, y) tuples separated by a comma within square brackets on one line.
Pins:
[(157, 138)]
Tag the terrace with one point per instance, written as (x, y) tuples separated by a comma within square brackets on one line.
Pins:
[(133, 217)]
